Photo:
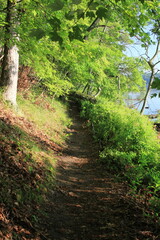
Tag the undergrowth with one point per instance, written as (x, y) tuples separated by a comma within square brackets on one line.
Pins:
[(48, 114), (129, 146), (29, 139)]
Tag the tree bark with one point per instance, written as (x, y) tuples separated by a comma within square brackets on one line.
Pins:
[(84, 89), (148, 89), (10, 93), (4, 72), (92, 26), (10, 63), (98, 92)]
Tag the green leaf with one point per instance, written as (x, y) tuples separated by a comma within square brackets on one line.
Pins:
[(55, 37), (2, 23), (38, 33), (102, 13), (90, 14), (57, 5), (132, 34), (93, 6), (80, 13), (76, 34), (76, 2), (143, 45), (156, 83), (55, 23), (70, 15), (142, 1), (154, 95)]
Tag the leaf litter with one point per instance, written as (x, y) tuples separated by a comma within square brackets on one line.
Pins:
[(87, 202)]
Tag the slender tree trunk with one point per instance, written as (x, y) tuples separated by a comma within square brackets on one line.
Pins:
[(4, 72), (88, 88), (152, 66), (84, 89), (98, 93), (148, 90), (10, 63)]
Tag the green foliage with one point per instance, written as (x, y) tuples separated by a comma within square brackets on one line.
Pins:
[(90, 65), (129, 143), (103, 13), (48, 114), (57, 5), (46, 29), (156, 82)]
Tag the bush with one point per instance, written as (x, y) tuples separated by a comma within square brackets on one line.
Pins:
[(129, 143)]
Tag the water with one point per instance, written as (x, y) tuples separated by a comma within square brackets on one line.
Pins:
[(152, 106)]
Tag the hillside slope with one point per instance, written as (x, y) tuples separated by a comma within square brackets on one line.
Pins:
[(29, 141)]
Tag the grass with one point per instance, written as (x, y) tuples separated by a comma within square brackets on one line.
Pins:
[(29, 139), (48, 114)]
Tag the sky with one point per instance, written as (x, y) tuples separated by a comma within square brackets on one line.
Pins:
[(136, 50)]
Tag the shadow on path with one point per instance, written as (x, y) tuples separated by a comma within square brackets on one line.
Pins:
[(87, 203)]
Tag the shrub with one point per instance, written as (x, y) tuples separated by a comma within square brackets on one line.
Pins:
[(129, 143)]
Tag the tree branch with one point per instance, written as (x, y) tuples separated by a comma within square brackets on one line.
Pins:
[(92, 26), (156, 63), (1, 57), (156, 52)]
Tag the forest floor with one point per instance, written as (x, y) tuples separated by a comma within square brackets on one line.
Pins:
[(89, 203)]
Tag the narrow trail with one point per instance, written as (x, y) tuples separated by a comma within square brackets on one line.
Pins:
[(88, 204)]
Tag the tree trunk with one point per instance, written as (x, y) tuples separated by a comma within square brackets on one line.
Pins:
[(152, 66), (84, 89), (4, 71), (10, 93), (148, 90), (10, 63), (98, 93)]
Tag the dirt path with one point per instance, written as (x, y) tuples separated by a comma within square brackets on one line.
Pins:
[(88, 203)]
